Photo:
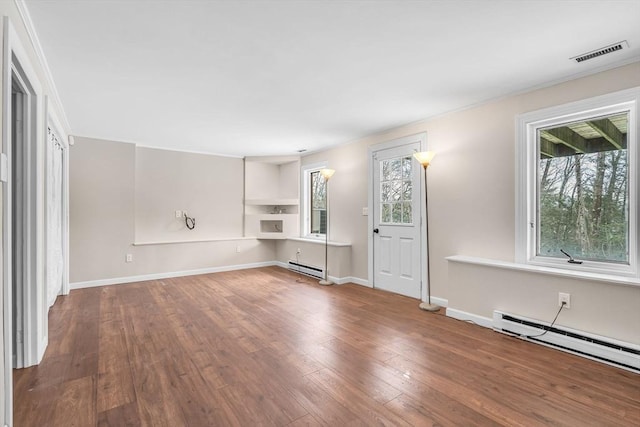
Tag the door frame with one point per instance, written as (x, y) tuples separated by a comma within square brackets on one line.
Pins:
[(15, 62), (54, 123), (410, 139)]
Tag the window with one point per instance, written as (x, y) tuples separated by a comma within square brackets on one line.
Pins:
[(314, 199), (395, 191), (318, 202), (578, 189)]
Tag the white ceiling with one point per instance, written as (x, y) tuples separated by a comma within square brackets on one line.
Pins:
[(273, 77)]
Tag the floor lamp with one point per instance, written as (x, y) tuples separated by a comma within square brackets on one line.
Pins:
[(425, 158), (326, 174)]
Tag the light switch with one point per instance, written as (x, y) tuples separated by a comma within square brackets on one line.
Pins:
[(365, 211)]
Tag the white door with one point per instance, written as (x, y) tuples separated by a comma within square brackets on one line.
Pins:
[(55, 257), (396, 220)]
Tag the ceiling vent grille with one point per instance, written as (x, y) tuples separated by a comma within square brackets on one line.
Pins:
[(602, 51)]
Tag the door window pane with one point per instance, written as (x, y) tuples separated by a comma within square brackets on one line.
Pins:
[(396, 192)]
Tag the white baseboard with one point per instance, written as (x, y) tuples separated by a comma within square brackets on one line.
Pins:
[(354, 280), (486, 322), (336, 280), (167, 275), (440, 301)]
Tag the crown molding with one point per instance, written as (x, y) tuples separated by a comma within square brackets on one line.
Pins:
[(54, 96)]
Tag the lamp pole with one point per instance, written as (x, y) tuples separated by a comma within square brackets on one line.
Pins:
[(326, 174), (425, 159)]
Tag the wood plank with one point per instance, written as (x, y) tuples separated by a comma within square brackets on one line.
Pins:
[(437, 411), (120, 416), (338, 387), (261, 347), (306, 421), (75, 406)]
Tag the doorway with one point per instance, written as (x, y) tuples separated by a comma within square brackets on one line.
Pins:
[(23, 244), (396, 243), (25, 322)]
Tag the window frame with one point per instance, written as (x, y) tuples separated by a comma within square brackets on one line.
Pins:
[(527, 191), (305, 189)]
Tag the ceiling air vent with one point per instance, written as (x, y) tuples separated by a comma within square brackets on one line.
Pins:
[(602, 51)]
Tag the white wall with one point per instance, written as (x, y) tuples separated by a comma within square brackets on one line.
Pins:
[(101, 209), (338, 257), (208, 187), (472, 210), (107, 188)]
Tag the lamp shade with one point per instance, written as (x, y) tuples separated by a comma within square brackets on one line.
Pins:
[(424, 157), (327, 173)]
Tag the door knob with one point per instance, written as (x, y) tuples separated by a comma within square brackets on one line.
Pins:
[(376, 230)]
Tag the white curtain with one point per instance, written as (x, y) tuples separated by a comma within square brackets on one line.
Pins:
[(55, 262)]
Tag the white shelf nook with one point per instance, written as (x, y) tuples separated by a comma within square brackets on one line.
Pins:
[(272, 197)]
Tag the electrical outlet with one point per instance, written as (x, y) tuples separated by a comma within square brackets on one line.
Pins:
[(237, 249), (564, 298), (178, 214), (298, 251), (129, 258)]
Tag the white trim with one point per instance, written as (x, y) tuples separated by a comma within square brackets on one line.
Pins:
[(357, 281), (7, 294), (335, 280), (485, 322), (304, 207), (206, 153), (167, 275), (73, 137), (372, 149), (32, 301), (175, 242), (442, 302), (526, 152), (35, 310), (319, 242), (208, 270), (572, 274), (52, 122), (37, 47)]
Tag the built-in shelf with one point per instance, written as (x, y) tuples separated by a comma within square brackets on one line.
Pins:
[(173, 242), (271, 226), (320, 242), (271, 202), (272, 186)]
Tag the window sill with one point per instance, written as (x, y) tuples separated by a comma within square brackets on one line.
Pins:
[(583, 275), (318, 241)]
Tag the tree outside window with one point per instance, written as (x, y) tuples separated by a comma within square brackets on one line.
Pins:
[(318, 201), (583, 189)]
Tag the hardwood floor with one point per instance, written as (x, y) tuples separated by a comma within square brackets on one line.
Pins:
[(258, 348)]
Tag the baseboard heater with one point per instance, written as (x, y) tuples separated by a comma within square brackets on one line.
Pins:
[(309, 270), (613, 352)]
